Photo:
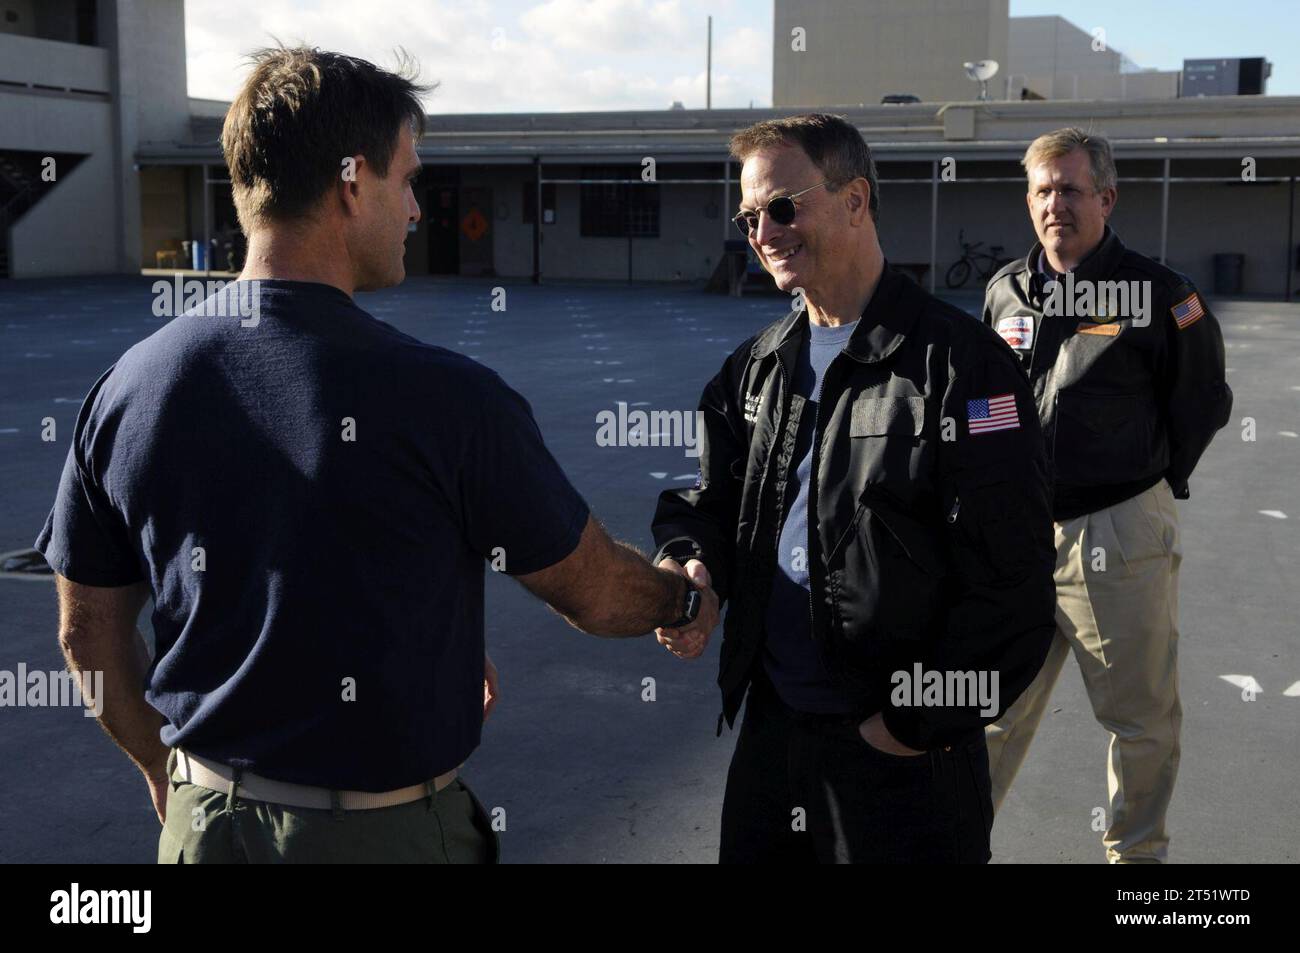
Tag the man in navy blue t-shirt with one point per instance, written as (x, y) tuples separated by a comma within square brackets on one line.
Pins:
[(309, 496)]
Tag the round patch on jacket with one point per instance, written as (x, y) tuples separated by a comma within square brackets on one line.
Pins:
[(1018, 331)]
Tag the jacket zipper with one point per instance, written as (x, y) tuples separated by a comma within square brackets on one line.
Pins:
[(813, 497), (767, 472)]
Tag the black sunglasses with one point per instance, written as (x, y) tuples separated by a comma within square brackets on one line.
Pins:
[(781, 208)]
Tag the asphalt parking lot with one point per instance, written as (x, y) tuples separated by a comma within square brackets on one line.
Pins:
[(587, 771)]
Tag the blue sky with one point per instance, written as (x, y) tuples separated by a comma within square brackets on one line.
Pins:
[(1161, 34), (551, 55)]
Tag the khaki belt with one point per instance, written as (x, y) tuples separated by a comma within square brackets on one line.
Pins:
[(253, 787)]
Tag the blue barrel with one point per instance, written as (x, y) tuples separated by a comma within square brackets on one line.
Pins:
[(200, 260)]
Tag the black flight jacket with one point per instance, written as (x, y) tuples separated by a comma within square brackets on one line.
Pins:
[(1124, 398), (928, 543)]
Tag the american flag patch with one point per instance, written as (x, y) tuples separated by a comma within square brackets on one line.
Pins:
[(1188, 311), (986, 414)]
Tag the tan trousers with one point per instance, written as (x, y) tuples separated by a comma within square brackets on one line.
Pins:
[(1117, 609)]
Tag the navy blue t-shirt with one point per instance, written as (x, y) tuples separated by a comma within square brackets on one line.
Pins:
[(791, 659), (311, 500)]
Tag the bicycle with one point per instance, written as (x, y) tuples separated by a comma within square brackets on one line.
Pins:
[(971, 260)]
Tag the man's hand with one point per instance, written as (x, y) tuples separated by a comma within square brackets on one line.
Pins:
[(874, 733), (491, 686), (690, 641)]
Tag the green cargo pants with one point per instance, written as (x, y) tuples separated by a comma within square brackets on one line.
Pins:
[(218, 827)]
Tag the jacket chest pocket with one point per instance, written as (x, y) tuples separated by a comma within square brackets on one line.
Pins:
[(886, 416), (886, 444), (1103, 438)]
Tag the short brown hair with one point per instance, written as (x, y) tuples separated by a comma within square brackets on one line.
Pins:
[(1060, 142), (299, 114), (832, 143)]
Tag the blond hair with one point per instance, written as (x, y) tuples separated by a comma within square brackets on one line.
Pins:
[(1061, 142)]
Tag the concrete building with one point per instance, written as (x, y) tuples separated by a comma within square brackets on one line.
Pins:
[(944, 170), (855, 52), (562, 196), (83, 86), (1051, 58)]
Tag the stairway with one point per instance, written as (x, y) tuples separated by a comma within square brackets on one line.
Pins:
[(22, 186)]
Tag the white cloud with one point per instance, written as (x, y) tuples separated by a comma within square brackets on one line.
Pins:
[(507, 55), (605, 25)]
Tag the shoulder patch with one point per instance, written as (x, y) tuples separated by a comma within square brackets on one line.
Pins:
[(1188, 311), (987, 414), (1017, 330)]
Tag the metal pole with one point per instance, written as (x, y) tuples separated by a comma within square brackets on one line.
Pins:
[(1290, 237), (727, 198), (537, 221), (1164, 216), (934, 221), (207, 223), (708, 71)]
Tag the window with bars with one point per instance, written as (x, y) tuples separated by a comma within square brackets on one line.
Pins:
[(618, 209)]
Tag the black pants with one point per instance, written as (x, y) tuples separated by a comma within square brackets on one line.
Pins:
[(859, 804)]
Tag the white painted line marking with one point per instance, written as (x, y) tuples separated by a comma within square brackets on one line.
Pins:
[(1287, 433), (686, 476), (1276, 514), (66, 400), (627, 380), (641, 403), (1293, 690), (658, 475), (9, 430), (1244, 682)]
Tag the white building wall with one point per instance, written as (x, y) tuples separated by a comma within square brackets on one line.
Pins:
[(72, 230), (860, 50)]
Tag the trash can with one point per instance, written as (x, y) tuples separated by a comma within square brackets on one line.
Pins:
[(1227, 273), (200, 259)]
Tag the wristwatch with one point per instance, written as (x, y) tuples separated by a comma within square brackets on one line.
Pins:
[(691, 610)]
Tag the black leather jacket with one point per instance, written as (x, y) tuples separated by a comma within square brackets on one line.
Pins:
[(927, 543), (1124, 398)]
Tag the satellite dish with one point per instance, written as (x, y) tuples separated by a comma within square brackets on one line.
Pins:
[(981, 72)]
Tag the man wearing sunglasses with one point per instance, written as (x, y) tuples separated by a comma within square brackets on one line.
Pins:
[(873, 503)]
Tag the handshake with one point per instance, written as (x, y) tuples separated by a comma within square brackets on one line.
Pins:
[(690, 641)]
